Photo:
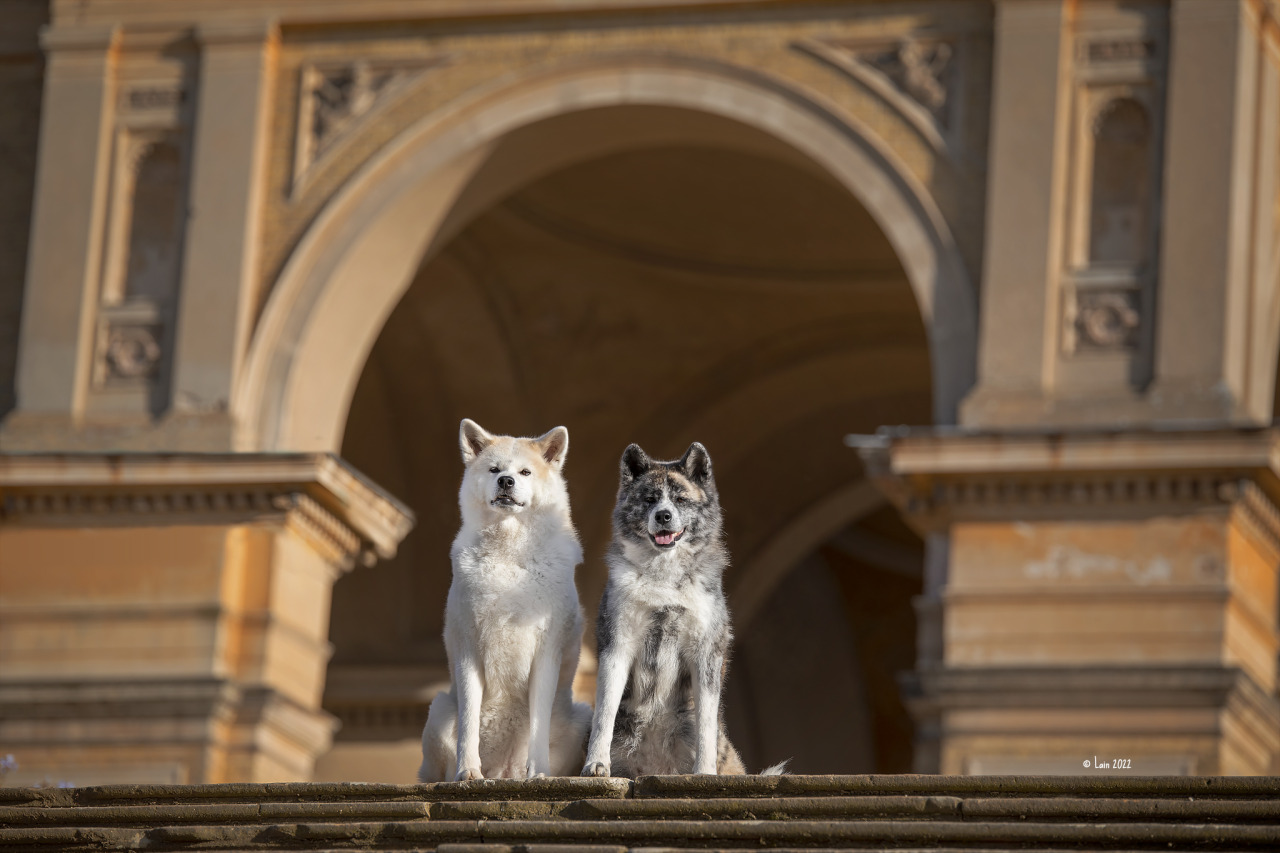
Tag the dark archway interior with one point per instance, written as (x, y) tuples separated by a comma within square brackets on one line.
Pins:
[(661, 296)]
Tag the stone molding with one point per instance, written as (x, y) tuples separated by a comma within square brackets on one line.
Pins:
[(159, 13), (248, 31), (67, 38), (79, 711), (937, 477), (944, 702), (940, 687), (349, 520), (932, 692)]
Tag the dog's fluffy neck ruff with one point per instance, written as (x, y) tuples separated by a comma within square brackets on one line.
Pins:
[(512, 526), (675, 567)]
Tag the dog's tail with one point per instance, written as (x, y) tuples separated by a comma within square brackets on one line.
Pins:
[(779, 769)]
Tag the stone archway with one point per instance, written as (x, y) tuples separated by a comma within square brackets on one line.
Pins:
[(357, 259), (407, 224)]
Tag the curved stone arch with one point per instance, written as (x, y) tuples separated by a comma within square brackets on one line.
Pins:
[(326, 309)]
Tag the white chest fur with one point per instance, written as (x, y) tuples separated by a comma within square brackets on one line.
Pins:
[(511, 589)]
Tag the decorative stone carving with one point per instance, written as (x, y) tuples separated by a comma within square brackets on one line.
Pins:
[(152, 98), (132, 352), (339, 96), (914, 74), (335, 98), (1106, 320), (921, 70), (1117, 50)]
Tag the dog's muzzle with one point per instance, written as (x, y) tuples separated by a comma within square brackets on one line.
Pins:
[(505, 500)]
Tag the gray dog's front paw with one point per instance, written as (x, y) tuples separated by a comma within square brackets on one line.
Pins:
[(596, 768)]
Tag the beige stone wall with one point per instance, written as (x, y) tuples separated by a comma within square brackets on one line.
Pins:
[(1075, 592)]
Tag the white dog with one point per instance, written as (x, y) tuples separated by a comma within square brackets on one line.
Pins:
[(513, 624)]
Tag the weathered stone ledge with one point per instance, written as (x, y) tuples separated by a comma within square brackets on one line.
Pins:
[(703, 787), (559, 815)]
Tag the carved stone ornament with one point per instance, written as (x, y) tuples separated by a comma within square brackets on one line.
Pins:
[(335, 98), (921, 70), (339, 96), (132, 352), (1106, 320), (1117, 50), (150, 98), (914, 74)]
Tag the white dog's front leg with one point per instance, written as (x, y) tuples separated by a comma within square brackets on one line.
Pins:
[(470, 686), (615, 666), (542, 692), (706, 702)]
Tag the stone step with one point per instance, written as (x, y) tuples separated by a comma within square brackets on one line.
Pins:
[(663, 787), (428, 834), (582, 815), (729, 808)]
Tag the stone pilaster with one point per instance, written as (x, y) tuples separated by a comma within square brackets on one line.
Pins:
[(165, 618), (1106, 594), (1073, 274), (220, 270), (1206, 212), (1024, 185), (66, 233)]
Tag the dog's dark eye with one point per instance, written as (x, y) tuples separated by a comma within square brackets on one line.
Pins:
[(493, 470), (651, 499), (525, 473), (682, 500)]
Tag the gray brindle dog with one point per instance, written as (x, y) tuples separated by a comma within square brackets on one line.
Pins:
[(663, 629)]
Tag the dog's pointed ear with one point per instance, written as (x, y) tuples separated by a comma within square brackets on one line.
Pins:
[(696, 463), (473, 439), (554, 446), (634, 462)]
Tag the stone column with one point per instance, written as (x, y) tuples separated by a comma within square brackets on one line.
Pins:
[(164, 618), (55, 352), (1108, 596), (1201, 361), (220, 269), (1023, 219)]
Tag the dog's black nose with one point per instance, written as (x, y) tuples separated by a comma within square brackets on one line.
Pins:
[(507, 482), (663, 516)]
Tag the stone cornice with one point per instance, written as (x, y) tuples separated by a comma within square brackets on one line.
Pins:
[(150, 13), (101, 38), (347, 518), (940, 476)]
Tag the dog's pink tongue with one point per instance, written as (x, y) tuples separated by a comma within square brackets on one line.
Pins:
[(665, 538)]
